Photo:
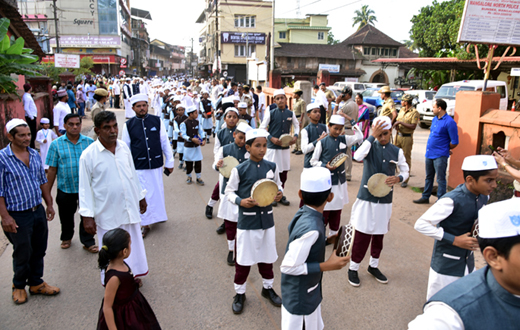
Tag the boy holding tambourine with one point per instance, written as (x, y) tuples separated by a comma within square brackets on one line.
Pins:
[(304, 262)]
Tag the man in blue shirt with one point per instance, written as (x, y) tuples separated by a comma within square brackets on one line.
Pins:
[(443, 137), (63, 161), (24, 219)]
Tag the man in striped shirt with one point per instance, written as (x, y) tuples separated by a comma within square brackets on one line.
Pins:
[(24, 220)]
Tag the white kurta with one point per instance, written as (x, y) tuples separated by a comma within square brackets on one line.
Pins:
[(47, 135), (192, 154), (254, 245), (340, 190), (282, 157), (127, 91), (152, 180), (427, 224), (437, 315), (374, 218)]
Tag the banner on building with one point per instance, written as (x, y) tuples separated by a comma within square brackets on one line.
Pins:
[(332, 68), (239, 38), (87, 41), (66, 61)]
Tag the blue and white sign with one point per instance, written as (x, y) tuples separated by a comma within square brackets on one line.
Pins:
[(332, 68)]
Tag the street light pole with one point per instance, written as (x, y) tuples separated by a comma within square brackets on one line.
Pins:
[(56, 26), (247, 54)]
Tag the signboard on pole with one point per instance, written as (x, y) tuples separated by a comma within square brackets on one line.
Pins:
[(66, 61), (491, 22), (122, 63), (332, 68), (515, 72)]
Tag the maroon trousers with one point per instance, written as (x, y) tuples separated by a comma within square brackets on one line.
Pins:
[(332, 218), (242, 272), (231, 229), (216, 195), (283, 178), (360, 247)]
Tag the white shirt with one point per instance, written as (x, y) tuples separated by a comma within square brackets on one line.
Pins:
[(169, 161), (267, 119), (60, 111), (364, 149), (261, 101), (29, 106), (305, 143), (321, 98), (427, 223), (109, 188), (437, 316), (117, 89), (294, 261), (349, 140)]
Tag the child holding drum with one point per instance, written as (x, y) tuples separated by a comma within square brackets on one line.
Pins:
[(255, 239), (194, 137), (232, 152), (178, 144), (330, 152), (304, 262)]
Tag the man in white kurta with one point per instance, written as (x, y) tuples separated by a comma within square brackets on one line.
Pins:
[(147, 139), (127, 92), (110, 194)]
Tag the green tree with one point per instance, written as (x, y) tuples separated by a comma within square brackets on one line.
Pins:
[(49, 70), (14, 59), (409, 44), (331, 40), (364, 17)]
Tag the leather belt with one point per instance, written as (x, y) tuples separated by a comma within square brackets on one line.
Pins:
[(404, 135), (32, 209)]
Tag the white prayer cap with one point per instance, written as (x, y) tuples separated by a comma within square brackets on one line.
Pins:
[(231, 109), (244, 128), (177, 98), (195, 93), (235, 98), (14, 123), (180, 105), (337, 120), (204, 91), (191, 109), (44, 120), (256, 133), (312, 106), (315, 179), (138, 98), (278, 92), (387, 123), (499, 219), (242, 105), (479, 163), (227, 100)]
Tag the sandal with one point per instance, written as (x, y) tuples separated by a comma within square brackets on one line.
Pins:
[(145, 230), (66, 244), (91, 249)]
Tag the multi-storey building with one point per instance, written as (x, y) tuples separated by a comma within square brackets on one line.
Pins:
[(99, 29), (166, 59), (222, 38), (140, 47), (312, 29)]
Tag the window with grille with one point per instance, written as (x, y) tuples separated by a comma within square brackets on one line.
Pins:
[(245, 21), (240, 50), (321, 35), (282, 35)]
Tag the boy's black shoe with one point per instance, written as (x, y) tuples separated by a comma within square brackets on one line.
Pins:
[(377, 274), (353, 278), (284, 201), (274, 203), (294, 151), (180, 166), (299, 152), (230, 259), (221, 229), (209, 212), (238, 303), (273, 298), (422, 201), (200, 182), (189, 180)]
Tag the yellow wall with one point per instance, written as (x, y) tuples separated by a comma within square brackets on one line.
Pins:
[(307, 37), (300, 36), (319, 20)]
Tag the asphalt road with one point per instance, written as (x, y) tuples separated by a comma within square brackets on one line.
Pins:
[(190, 286)]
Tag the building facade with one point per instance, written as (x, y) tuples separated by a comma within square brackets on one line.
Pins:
[(166, 59), (312, 29), (100, 29), (140, 47), (232, 30)]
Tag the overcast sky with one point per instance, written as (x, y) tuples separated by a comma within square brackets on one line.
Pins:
[(173, 21)]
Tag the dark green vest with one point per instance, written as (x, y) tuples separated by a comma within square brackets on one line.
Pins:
[(280, 123)]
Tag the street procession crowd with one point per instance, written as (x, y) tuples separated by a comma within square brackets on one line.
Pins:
[(116, 186)]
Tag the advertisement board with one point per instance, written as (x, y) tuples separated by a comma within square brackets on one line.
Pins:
[(332, 68), (490, 22), (87, 41), (236, 38), (66, 61)]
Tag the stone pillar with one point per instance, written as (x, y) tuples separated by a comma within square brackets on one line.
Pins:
[(323, 77), (275, 79), (469, 107), (306, 87)]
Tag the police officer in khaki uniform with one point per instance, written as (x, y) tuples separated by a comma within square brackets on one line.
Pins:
[(405, 125), (388, 108), (299, 108)]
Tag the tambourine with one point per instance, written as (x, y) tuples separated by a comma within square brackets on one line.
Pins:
[(264, 191), (339, 159), (376, 185), (285, 139), (345, 240), (475, 229), (228, 163), (516, 185), (242, 121)]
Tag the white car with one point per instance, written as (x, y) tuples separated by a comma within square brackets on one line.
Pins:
[(356, 87)]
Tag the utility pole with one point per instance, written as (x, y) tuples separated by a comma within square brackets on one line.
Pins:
[(216, 39), (272, 41), (191, 58), (56, 26)]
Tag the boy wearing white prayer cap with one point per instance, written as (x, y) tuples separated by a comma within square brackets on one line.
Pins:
[(450, 220), (490, 297), (44, 137), (304, 262), (194, 137), (324, 152), (278, 121), (370, 214)]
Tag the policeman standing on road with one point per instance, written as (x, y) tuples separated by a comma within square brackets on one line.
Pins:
[(405, 125), (299, 110), (388, 108)]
